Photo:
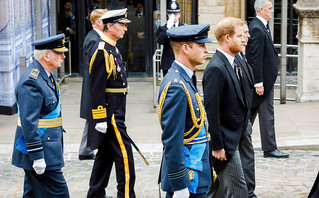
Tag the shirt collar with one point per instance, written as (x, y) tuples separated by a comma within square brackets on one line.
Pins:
[(48, 73), (262, 20), (229, 57), (98, 31), (189, 72)]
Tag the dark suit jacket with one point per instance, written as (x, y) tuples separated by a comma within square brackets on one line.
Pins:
[(89, 41), (248, 78), (168, 54), (225, 106), (262, 57)]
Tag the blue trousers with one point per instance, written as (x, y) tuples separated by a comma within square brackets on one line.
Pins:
[(50, 184)]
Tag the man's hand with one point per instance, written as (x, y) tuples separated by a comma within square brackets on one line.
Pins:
[(260, 90), (39, 166), (220, 154), (101, 127), (184, 193), (170, 21)]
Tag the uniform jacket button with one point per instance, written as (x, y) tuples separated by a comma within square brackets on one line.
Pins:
[(49, 138)]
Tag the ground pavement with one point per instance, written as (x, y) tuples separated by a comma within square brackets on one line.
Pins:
[(297, 126)]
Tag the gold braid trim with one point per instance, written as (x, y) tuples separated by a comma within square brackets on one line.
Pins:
[(202, 118), (161, 101), (112, 64), (92, 60)]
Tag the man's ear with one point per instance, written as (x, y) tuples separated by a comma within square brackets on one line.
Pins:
[(185, 48)]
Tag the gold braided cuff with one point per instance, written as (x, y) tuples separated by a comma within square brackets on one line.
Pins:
[(99, 113)]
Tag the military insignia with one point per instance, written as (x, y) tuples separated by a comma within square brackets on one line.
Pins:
[(63, 40), (118, 69), (175, 81), (101, 45), (176, 71), (191, 174), (173, 6), (34, 73)]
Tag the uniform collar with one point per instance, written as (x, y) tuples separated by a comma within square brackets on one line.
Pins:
[(189, 72), (108, 40)]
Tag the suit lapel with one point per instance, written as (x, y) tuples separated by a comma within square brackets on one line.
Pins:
[(245, 67), (233, 76), (267, 33)]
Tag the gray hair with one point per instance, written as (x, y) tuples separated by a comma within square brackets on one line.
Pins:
[(37, 54), (260, 4)]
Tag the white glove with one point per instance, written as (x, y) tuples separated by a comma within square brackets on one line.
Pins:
[(184, 193), (101, 127), (39, 166), (170, 21)]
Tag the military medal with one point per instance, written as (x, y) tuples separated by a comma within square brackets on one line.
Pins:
[(118, 68)]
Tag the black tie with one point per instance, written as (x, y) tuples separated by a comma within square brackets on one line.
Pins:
[(52, 81), (194, 80)]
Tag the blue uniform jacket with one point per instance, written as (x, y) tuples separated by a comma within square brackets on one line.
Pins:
[(175, 120), (36, 98)]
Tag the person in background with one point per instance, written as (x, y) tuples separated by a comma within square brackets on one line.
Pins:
[(107, 130), (246, 148), (185, 169), (38, 144), (85, 109), (226, 108), (173, 13), (263, 58)]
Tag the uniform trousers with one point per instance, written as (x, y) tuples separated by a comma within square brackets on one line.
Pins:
[(50, 184), (115, 148), (266, 116), (230, 181)]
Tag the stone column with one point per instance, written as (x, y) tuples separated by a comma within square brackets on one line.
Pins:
[(308, 53)]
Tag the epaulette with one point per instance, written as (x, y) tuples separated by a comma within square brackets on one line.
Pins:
[(34, 74), (101, 45), (177, 79)]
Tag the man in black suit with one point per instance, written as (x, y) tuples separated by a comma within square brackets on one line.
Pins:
[(246, 149), (173, 13), (263, 58), (85, 110), (226, 109)]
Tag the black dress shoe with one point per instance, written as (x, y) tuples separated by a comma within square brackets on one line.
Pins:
[(276, 154), (86, 157)]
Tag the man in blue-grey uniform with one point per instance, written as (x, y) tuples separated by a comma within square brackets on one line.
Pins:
[(38, 144), (107, 130), (185, 169), (173, 14)]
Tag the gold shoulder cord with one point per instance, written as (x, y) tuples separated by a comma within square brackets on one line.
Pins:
[(161, 101), (112, 67), (202, 118), (92, 60)]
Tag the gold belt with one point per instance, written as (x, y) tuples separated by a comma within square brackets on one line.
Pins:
[(47, 123), (117, 90)]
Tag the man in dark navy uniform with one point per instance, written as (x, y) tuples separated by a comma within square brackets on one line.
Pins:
[(107, 130), (173, 13), (38, 144), (185, 169)]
